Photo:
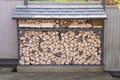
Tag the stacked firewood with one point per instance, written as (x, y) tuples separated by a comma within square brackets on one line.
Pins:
[(57, 23), (97, 23), (38, 23), (76, 23), (61, 48)]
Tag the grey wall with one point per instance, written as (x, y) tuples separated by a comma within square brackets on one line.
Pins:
[(8, 32), (112, 39)]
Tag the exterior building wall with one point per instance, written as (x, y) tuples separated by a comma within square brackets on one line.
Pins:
[(8, 29), (8, 34)]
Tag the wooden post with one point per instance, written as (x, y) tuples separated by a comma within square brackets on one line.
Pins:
[(25, 2), (103, 3)]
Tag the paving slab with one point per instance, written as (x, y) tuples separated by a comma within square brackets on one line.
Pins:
[(6, 69), (57, 76)]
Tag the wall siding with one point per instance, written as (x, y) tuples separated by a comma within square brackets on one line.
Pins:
[(8, 34), (112, 39), (8, 29)]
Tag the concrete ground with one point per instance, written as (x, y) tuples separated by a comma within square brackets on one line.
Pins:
[(6, 74), (56, 76)]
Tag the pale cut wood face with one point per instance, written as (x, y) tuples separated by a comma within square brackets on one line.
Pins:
[(79, 47), (60, 23), (60, 47)]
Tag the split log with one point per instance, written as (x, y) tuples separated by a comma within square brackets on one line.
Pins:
[(55, 23), (39, 47)]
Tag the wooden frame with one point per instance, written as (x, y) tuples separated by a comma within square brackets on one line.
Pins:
[(66, 3), (26, 2)]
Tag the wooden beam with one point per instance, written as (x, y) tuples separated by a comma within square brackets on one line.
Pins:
[(25, 2)]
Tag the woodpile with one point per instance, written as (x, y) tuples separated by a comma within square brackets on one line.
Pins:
[(65, 47), (38, 23), (76, 23), (97, 23), (56, 23)]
